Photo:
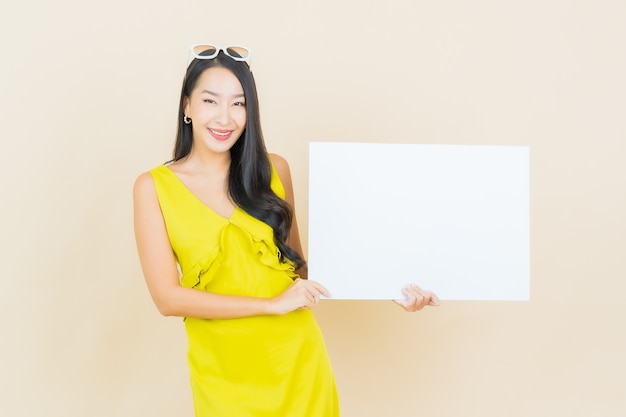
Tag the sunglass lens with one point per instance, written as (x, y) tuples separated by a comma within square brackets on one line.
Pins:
[(205, 50), (238, 52)]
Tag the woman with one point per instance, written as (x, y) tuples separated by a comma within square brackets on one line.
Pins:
[(222, 211)]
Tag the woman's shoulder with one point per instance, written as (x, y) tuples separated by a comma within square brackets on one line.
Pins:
[(144, 183), (282, 185), (281, 165), (278, 160)]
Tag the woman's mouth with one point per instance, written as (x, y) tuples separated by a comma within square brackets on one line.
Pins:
[(220, 134)]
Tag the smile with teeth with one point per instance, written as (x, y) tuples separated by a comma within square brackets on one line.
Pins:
[(220, 134)]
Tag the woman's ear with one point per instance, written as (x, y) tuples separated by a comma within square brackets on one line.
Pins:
[(186, 106)]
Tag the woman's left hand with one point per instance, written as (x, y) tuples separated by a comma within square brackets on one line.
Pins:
[(417, 298)]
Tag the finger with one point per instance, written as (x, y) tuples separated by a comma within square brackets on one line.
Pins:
[(430, 298), (413, 299), (297, 283), (402, 303), (417, 296), (434, 300), (410, 299), (409, 293), (312, 290), (316, 300), (414, 289), (309, 299), (426, 298), (320, 288), (315, 296), (312, 299), (414, 285)]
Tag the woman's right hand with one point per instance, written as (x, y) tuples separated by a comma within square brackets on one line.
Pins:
[(300, 295)]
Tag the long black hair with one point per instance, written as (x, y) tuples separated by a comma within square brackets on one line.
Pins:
[(250, 170)]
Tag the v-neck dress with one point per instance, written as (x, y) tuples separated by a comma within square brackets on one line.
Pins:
[(254, 366)]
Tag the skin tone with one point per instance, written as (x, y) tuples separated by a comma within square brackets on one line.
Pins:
[(216, 107)]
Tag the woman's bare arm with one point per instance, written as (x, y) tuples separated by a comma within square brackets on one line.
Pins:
[(284, 173), (162, 277)]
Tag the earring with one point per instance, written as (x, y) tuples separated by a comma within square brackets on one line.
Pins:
[(186, 119)]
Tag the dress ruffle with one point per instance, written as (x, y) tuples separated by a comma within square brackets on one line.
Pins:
[(199, 275), (260, 236)]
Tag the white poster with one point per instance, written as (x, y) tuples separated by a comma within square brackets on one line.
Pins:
[(452, 219)]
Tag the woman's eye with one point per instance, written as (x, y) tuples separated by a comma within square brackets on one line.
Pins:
[(240, 103), (208, 100)]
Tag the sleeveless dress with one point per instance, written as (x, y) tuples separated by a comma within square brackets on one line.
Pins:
[(246, 367)]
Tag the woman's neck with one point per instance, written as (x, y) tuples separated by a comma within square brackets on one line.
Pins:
[(208, 162)]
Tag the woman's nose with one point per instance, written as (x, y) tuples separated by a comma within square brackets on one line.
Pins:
[(223, 115)]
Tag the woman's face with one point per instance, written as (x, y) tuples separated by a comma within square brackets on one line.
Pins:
[(217, 109)]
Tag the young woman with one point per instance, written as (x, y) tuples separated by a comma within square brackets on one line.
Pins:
[(222, 212)]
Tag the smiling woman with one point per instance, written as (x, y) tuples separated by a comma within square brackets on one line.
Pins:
[(222, 210)]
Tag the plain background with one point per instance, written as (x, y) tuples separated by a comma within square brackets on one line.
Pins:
[(88, 101)]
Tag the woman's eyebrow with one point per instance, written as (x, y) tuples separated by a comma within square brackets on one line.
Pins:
[(218, 95)]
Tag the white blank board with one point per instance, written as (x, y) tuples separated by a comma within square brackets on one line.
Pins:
[(452, 219)]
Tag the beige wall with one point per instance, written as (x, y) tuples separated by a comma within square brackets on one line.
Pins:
[(88, 100)]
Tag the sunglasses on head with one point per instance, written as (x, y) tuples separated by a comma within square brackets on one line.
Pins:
[(238, 53)]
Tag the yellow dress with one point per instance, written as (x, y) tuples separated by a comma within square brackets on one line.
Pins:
[(248, 367)]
